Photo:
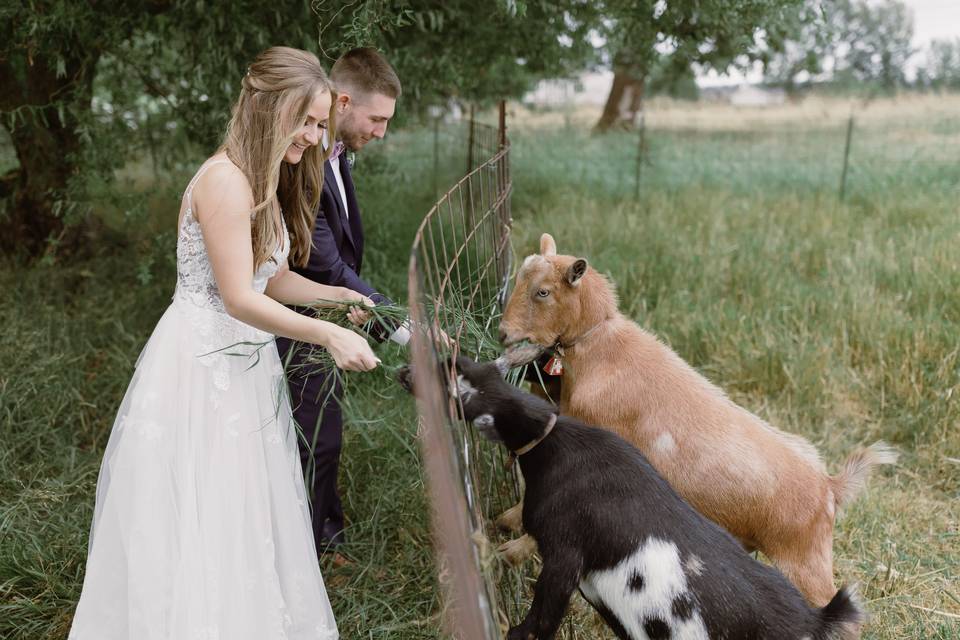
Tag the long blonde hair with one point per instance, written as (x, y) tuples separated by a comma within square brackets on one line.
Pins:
[(274, 100)]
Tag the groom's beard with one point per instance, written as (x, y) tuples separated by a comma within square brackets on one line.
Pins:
[(352, 140)]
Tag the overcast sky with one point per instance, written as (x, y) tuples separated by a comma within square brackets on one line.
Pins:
[(932, 20)]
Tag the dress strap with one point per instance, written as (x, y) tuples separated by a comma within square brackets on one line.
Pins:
[(196, 178)]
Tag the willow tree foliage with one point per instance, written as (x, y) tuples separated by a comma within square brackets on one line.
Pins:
[(472, 51), (708, 33), (89, 86)]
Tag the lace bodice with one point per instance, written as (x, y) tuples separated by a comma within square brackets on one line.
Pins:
[(217, 338), (195, 279)]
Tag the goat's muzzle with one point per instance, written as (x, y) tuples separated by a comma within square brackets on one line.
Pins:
[(521, 353)]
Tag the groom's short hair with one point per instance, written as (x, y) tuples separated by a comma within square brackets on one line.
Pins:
[(365, 71)]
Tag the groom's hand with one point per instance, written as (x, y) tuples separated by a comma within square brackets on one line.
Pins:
[(357, 315)]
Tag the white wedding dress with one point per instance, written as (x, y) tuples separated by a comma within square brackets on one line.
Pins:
[(201, 529)]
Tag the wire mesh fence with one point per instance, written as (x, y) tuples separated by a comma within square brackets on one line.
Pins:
[(850, 157), (458, 273)]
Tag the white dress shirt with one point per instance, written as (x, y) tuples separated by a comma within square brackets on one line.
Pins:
[(335, 165)]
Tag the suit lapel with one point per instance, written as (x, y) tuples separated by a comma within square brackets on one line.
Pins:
[(330, 182), (354, 224)]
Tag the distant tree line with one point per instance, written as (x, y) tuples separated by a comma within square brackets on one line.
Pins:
[(941, 68), (861, 45)]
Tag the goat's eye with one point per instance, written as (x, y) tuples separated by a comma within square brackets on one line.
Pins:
[(543, 293)]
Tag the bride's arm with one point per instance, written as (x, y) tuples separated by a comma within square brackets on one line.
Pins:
[(290, 287), (222, 202)]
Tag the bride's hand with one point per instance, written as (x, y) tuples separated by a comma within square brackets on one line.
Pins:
[(351, 351), (356, 315)]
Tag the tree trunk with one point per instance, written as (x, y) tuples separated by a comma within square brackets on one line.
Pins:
[(625, 100), (47, 145)]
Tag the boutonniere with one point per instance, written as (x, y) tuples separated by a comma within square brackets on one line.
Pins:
[(351, 158)]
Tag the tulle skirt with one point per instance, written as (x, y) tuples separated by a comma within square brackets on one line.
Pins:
[(201, 529)]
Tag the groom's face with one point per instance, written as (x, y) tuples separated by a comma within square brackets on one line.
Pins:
[(361, 118)]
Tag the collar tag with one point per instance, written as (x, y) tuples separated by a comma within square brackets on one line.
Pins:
[(554, 366)]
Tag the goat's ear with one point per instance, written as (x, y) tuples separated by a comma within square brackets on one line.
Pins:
[(547, 245), (484, 420), (485, 425), (575, 271)]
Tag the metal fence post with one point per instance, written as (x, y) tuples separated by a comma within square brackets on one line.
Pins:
[(470, 137), (641, 150), (846, 158), (436, 156), (502, 125)]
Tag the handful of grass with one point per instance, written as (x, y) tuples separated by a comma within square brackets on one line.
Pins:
[(317, 358)]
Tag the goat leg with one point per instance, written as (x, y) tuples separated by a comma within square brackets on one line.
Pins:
[(518, 551), (511, 520), (557, 581)]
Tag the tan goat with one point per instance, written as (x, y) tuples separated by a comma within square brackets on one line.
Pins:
[(768, 488)]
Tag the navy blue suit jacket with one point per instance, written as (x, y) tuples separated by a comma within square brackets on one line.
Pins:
[(337, 252)]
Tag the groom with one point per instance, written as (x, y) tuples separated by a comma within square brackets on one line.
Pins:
[(368, 89)]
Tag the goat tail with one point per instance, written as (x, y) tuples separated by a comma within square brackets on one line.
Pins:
[(853, 477), (842, 617)]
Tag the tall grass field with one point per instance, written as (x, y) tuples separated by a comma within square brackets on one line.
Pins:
[(834, 319)]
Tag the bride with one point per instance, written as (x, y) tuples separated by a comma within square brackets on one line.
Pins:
[(201, 529)]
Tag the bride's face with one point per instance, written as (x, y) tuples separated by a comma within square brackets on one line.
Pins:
[(312, 128)]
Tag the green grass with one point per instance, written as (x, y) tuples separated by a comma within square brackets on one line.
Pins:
[(835, 321)]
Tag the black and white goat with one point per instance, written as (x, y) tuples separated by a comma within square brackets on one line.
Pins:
[(605, 521)]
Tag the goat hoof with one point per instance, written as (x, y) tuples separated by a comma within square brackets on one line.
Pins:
[(511, 520), (518, 551)]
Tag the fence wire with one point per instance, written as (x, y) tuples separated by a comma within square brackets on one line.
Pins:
[(856, 159), (458, 272)]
